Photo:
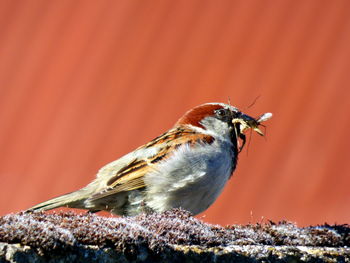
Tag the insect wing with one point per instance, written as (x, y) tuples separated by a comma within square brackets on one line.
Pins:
[(265, 117)]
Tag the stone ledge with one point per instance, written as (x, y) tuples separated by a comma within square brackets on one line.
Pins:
[(249, 253), (172, 236)]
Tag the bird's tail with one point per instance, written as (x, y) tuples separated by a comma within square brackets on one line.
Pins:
[(73, 200)]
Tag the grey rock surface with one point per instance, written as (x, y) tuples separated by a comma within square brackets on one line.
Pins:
[(172, 236)]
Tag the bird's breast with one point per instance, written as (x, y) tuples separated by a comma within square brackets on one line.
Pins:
[(192, 178)]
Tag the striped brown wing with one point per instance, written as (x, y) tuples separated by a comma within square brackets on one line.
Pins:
[(130, 177)]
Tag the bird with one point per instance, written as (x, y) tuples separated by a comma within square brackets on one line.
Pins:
[(186, 167)]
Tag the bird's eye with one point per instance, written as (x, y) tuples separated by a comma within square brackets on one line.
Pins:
[(220, 113)]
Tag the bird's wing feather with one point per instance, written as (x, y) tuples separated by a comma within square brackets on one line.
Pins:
[(131, 176)]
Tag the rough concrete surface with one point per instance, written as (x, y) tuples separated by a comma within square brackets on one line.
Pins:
[(173, 236)]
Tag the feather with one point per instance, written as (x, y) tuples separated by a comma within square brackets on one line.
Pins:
[(131, 176)]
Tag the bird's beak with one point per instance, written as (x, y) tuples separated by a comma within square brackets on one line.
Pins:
[(248, 122)]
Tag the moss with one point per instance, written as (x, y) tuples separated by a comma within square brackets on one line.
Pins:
[(176, 232)]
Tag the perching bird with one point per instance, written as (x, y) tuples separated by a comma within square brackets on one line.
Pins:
[(186, 167)]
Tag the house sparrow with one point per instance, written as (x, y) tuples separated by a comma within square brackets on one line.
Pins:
[(187, 166)]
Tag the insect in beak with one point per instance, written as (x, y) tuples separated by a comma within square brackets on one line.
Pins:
[(245, 122)]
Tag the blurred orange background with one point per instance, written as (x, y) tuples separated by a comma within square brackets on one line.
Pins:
[(84, 82)]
